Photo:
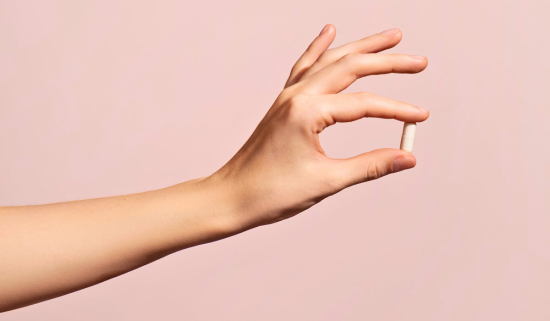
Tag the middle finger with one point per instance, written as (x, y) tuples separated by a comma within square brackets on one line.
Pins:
[(342, 73)]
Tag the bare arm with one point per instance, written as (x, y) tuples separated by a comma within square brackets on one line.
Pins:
[(50, 250)]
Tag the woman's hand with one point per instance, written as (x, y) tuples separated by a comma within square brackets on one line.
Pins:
[(282, 169)]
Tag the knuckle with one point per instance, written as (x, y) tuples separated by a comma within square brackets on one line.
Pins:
[(295, 107), (364, 99), (364, 96), (299, 66), (285, 95), (296, 101), (324, 115), (350, 57), (374, 171)]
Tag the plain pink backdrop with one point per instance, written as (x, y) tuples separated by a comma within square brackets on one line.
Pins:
[(102, 98)]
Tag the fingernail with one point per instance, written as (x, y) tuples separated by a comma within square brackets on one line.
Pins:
[(324, 30), (402, 163), (422, 110), (418, 57), (389, 32)]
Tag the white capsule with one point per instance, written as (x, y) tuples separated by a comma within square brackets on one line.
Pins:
[(407, 139)]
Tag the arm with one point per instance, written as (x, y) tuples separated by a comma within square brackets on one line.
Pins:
[(50, 250)]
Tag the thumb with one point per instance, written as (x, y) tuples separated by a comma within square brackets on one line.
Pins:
[(373, 165)]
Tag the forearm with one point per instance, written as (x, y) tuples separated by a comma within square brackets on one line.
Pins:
[(50, 250)]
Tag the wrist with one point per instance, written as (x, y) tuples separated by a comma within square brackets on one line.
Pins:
[(205, 211)]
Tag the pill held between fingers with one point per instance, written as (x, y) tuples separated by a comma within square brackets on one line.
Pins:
[(407, 139)]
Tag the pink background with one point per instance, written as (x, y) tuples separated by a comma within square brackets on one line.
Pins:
[(103, 98)]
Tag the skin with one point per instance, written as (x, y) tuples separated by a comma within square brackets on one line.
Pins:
[(54, 249)]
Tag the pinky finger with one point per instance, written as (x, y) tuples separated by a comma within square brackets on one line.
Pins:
[(315, 49)]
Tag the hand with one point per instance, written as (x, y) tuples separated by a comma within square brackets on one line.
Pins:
[(282, 169)]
